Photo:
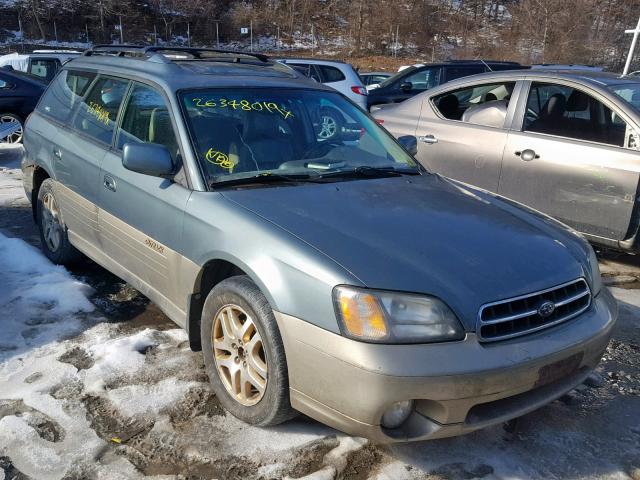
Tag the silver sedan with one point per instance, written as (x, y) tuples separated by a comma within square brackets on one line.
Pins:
[(562, 142)]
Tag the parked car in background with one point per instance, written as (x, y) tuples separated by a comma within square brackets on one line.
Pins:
[(339, 75), (19, 94), (416, 79), (338, 279), (564, 143), (372, 80), (41, 63)]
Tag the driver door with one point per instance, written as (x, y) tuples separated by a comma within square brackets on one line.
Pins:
[(140, 217), (573, 156)]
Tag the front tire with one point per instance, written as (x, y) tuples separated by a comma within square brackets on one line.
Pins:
[(243, 353), (53, 232)]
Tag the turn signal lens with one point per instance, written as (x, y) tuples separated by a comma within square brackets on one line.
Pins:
[(361, 314), (394, 317)]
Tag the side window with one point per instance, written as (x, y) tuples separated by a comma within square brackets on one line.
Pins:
[(63, 94), (308, 70), (330, 74), (568, 112), (43, 68), (459, 72), (424, 79), (146, 119), (96, 115), (484, 104)]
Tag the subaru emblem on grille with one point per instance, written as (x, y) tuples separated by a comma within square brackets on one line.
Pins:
[(546, 309)]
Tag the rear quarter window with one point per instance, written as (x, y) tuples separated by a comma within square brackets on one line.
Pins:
[(330, 74), (63, 93)]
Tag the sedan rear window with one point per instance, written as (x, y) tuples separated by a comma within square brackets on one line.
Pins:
[(245, 132)]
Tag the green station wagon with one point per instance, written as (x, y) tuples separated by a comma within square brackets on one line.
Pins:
[(337, 278)]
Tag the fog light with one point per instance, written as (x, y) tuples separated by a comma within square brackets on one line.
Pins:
[(397, 414)]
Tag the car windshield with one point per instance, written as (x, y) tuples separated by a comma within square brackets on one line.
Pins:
[(629, 91), (245, 133)]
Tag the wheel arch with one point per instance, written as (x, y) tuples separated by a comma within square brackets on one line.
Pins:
[(40, 174), (211, 274)]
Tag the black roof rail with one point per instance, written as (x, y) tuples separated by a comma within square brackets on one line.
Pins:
[(151, 51)]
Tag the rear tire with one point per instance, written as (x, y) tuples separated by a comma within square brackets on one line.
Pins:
[(243, 353), (53, 232)]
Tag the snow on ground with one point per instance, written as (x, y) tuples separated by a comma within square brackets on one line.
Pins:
[(11, 191), (88, 394)]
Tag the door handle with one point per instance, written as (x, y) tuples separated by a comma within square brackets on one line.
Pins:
[(430, 139), (109, 183), (527, 155), (57, 153)]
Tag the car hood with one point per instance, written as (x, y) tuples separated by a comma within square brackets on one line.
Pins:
[(425, 234)]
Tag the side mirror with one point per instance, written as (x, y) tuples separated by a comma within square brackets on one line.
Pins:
[(147, 158), (410, 143), (406, 86)]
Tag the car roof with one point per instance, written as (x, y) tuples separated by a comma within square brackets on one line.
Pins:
[(376, 73), (177, 68), (599, 79)]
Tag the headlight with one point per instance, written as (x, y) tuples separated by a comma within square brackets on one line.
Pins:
[(389, 317), (594, 272)]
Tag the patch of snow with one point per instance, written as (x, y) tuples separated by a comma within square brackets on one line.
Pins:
[(149, 399), (11, 190), (113, 357)]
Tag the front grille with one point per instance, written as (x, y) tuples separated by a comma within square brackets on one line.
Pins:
[(529, 313)]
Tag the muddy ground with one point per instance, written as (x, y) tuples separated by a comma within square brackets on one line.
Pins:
[(161, 420)]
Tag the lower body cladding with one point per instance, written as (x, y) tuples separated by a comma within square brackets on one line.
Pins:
[(443, 389)]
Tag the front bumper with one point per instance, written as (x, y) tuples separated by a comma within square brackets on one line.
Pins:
[(457, 387)]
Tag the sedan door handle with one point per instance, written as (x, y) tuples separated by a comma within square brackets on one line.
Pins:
[(57, 153), (430, 139), (527, 155), (109, 183)]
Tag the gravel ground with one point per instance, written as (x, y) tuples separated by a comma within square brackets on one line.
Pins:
[(95, 382)]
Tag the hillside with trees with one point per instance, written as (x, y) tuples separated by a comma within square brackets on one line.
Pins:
[(529, 31)]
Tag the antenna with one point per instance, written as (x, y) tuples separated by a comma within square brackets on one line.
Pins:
[(486, 65)]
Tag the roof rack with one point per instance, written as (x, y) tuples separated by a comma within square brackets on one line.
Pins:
[(153, 51)]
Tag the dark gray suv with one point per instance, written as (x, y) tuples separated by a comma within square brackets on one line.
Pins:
[(336, 277)]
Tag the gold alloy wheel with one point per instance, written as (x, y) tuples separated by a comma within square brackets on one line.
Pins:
[(51, 228), (239, 355)]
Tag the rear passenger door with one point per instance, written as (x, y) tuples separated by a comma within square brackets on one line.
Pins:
[(140, 215), (462, 133), (574, 156), (75, 142)]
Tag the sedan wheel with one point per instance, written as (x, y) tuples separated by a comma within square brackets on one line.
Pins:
[(239, 355), (15, 137)]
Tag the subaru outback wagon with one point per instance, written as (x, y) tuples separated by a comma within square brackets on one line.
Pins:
[(334, 278)]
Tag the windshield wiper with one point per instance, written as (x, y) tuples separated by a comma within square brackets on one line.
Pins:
[(368, 171), (266, 177)]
